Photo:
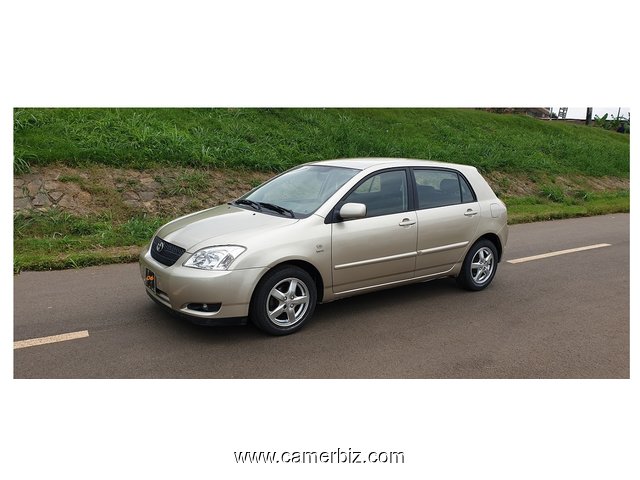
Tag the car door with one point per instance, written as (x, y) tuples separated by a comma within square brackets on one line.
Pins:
[(381, 247), (448, 214)]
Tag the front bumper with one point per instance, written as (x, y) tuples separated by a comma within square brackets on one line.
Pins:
[(182, 289)]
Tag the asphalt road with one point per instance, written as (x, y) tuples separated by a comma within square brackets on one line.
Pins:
[(561, 317)]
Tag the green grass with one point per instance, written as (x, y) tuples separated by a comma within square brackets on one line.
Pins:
[(275, 139), (576, 204), (54, 240), (186, 183), (554, 193)]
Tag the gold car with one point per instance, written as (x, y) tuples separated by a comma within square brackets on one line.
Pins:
[(324, 231)]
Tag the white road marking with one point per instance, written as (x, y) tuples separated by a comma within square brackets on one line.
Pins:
[(559, 252), (32, 342)]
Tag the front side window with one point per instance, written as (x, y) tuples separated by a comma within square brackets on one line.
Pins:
[(383, 194), (438, 188)]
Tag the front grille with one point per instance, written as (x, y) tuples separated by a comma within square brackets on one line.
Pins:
[(165, 252)]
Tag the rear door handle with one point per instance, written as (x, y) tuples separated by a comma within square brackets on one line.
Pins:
[(407, 222), (470, 213)]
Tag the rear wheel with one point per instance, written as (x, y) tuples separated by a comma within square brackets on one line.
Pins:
[(283, 301), (479, 266)]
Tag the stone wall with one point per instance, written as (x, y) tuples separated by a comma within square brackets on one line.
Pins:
[(99, 189), (37, 192)]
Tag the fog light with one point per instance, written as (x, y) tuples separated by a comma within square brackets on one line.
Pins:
[(204, 307)]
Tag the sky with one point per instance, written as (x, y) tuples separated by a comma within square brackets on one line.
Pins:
[(581, 112)]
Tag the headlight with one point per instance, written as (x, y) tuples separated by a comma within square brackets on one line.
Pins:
[(215, 258)]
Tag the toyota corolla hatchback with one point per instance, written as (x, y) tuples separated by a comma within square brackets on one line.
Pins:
[(324, 231)]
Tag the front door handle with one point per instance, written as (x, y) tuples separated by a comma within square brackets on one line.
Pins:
[(407, 222), (470, 213)]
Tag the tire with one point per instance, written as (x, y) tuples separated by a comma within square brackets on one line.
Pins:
[(479, 266), (271, 313)]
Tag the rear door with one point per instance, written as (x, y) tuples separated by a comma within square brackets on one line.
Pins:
[(380, 248), (448, 215)]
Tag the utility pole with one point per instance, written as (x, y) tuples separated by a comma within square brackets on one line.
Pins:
[(589, 113)]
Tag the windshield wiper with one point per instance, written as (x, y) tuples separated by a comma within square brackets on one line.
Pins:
[(251, 203), (278, 208)]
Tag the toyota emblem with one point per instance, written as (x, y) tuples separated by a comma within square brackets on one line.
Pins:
[(160, 246)]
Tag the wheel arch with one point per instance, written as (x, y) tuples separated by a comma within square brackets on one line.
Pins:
[(493, 238), (304, 265), (311, 270)]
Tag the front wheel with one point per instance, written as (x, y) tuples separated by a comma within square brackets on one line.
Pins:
[(283, 301), (479, 266)]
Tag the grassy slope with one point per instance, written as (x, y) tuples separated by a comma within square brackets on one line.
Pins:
[(275, 139)]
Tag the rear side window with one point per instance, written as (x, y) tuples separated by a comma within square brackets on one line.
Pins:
[(438, 188)]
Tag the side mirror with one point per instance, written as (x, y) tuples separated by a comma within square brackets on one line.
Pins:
[(351, 211)]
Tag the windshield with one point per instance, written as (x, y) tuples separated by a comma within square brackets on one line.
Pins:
[(301, 190)]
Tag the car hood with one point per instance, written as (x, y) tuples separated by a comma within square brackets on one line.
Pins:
[(222, 225)]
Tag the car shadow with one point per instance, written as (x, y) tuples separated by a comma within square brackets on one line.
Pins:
[(327, 317)]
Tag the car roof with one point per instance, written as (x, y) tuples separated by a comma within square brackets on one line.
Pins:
[(371, 163)]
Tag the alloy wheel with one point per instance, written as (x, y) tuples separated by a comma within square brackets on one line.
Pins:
[(287, 302), (482, 265)]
